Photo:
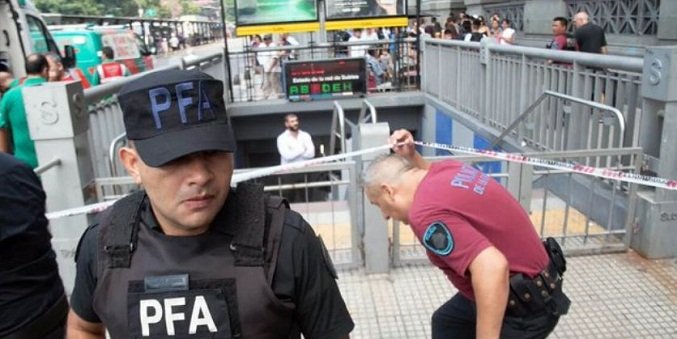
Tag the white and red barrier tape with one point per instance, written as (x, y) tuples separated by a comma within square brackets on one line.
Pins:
[(237, 178), (669, 184)]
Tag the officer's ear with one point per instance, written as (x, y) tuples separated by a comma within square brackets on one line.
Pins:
[(388, 192), (131, 160)]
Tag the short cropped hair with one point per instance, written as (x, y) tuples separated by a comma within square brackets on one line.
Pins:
[(36, 63), (289, 116), (108, 52), (562, 20), (385, 169)]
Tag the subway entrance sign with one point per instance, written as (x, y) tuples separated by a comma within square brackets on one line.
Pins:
[(325, 79)]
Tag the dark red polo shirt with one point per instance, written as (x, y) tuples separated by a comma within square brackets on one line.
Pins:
[(459, 211)]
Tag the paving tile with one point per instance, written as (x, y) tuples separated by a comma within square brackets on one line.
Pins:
[(614, 296)]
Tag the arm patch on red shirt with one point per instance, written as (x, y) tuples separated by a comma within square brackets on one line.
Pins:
[(438, 239)]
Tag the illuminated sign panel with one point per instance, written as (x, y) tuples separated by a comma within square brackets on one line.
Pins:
[(354, 9), (325, 79), (261, 12)]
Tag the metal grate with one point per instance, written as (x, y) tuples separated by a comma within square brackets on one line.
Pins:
[(630, 17), (513, 11)]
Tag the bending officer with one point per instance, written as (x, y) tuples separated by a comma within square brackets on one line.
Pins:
[(510, 284)]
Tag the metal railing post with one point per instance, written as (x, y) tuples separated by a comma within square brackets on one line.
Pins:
[(485, 78), (520, 183), (375, 238), (656, 236), (58, 121), (356, 213), (523, 94), (338, 129)]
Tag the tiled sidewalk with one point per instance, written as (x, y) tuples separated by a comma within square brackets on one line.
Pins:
[(613, 296)]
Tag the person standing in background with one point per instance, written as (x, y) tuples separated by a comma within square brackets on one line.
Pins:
[(56, 71), (6, 78), (357, 51), (294, 145), (270, 60), (507, 36), (14, 135), (109, 69), (559, 40), (590, 38)]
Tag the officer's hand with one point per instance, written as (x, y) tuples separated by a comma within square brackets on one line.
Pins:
[(402, 143)]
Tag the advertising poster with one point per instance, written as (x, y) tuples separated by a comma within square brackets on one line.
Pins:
[(259, 12), (357, 9), (325, 79)]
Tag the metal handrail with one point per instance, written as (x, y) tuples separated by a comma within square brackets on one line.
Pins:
[(364, 118), (199, 62), (44, 167), (324, 45), (338, 128), (532, 107), (111, 153), (95, 94), (625, 63)]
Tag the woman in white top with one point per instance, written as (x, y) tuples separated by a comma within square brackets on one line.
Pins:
[(507, 36)]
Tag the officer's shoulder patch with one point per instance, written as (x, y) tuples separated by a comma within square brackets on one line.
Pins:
[(438, 239)]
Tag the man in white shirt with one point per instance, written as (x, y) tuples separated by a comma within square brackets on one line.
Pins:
[(357, 51), (370, 35), (270, 60), (294, 145)]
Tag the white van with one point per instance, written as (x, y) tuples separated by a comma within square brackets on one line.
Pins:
[(22, 32)]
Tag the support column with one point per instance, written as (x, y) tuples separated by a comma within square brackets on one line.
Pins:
[(474, 7), (538, 15), (58, 122), (667, 21), (520, 183), (375, 239), (655, 235), (428, 128)]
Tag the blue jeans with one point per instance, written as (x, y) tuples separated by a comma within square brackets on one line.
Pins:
[(457, 319)]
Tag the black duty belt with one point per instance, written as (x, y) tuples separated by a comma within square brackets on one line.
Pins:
[(539, 295), (45, 323)]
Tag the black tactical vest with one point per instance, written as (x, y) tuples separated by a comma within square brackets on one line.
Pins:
[(213, 285)]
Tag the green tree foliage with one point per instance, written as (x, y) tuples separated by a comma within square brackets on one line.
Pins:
[(102, 7), (81, 7), (188, 7), (229, 7)]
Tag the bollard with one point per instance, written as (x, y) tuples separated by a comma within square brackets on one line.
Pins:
[(655, 235), (375, 239), (58, 122)]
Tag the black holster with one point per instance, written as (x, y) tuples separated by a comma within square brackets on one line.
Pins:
[(543, 293), (556, 255)]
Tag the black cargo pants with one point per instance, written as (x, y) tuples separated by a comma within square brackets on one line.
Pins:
[(457, 319)]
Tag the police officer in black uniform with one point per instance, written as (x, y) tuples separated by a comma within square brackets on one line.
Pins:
[(188, 257), (32, 299)]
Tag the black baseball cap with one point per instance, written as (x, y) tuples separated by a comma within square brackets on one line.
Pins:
[(172, 113)]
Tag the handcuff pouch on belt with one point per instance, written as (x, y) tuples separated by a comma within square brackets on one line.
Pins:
[(543, 293)]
